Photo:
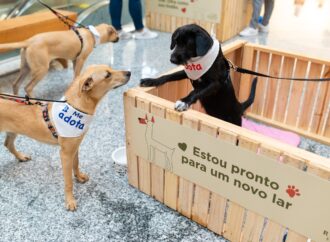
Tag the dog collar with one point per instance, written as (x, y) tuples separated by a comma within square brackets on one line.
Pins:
[(95, 34), (68, 121), (198, 66)]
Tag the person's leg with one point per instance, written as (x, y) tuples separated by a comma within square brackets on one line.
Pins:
[(135, 10), (257, 4), (269, 6), (115, 9)]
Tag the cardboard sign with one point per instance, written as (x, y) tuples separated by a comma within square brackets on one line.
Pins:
[(193, 9), (287, 195)]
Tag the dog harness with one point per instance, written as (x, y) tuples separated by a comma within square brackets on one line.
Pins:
[(198, 66), (43, 105), (68, 121)]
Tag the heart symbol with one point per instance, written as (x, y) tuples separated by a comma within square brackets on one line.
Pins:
[(182, 146), (183, 10)]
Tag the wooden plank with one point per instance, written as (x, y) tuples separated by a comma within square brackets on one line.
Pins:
[(157, 173), (200, 207), (262, 67), (275, 70), (144, 165), (296, 94), (254, 222), (284, 89), (186, 188), (309, 97), (171, 180), (324, 127), (246, 80), (235, 212), (301, 164), (24, 27), (273, 231), (132, 163), (218, 203)]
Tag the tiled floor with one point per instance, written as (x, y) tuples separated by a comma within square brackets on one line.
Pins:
[(31, 193)]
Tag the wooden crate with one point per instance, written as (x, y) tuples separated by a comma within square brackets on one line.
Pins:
[(24, 27), (298, 106), (235, 15)]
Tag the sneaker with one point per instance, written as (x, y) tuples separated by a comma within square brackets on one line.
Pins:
[(248, 31), (263, 28), (124, 35), (145, 34)]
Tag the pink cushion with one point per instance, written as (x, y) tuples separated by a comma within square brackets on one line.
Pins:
[(281, 135)]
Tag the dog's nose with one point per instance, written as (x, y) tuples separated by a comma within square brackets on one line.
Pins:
[(128, 74), (174, 60), (116, 40)]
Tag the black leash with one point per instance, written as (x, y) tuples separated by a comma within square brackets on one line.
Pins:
[(65, 19), (27, 99), (246, 71), (69, 22)]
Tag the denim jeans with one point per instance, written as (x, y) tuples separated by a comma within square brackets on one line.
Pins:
[(135, 10), (257, 4)]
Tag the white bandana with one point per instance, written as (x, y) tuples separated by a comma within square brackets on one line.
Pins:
[(96, 34), (68, 121), (198, 66)]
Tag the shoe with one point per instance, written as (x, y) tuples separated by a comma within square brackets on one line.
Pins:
[(145, 34), (263, 28), (248, 31), (124, 35)]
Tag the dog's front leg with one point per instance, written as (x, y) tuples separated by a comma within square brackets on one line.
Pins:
[(149, 82), (78, 65), (81, 177), (69, 149), (184, 103)]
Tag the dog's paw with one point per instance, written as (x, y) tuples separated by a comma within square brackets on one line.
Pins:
[(181, 106), (22, 157), (82, 178), (148, 82), (71, 204)]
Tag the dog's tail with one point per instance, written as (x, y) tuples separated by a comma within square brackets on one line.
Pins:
[(13, 46), (250, 100)]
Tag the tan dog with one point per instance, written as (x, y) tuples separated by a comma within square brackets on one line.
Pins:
[(84, 94), (38, 51)]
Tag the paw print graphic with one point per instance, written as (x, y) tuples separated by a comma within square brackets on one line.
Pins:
[(292, 191)]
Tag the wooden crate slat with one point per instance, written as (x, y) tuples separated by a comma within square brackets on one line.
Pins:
[(254, 223), (296, 94), (171, 180), (144, 165), (132, 163), (272, 231), (218, 203), (157, 173)]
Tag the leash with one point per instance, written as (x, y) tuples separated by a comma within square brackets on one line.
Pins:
[(27, 99), (246, 71), (69, 22), (65, 19), (43, 103)]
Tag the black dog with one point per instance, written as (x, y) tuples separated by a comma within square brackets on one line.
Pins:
[(213, 86)]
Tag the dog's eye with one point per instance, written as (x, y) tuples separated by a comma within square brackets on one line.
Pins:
[(108, 75)]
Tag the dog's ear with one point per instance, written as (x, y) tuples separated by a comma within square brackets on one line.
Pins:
[(203, 43), (87, 84), (174, 39)]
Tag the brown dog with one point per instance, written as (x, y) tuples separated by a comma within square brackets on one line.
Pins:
[(83, 94), (38, 51)]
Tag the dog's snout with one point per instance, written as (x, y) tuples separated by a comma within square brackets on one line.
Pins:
[(116, 40), (174, 59)]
